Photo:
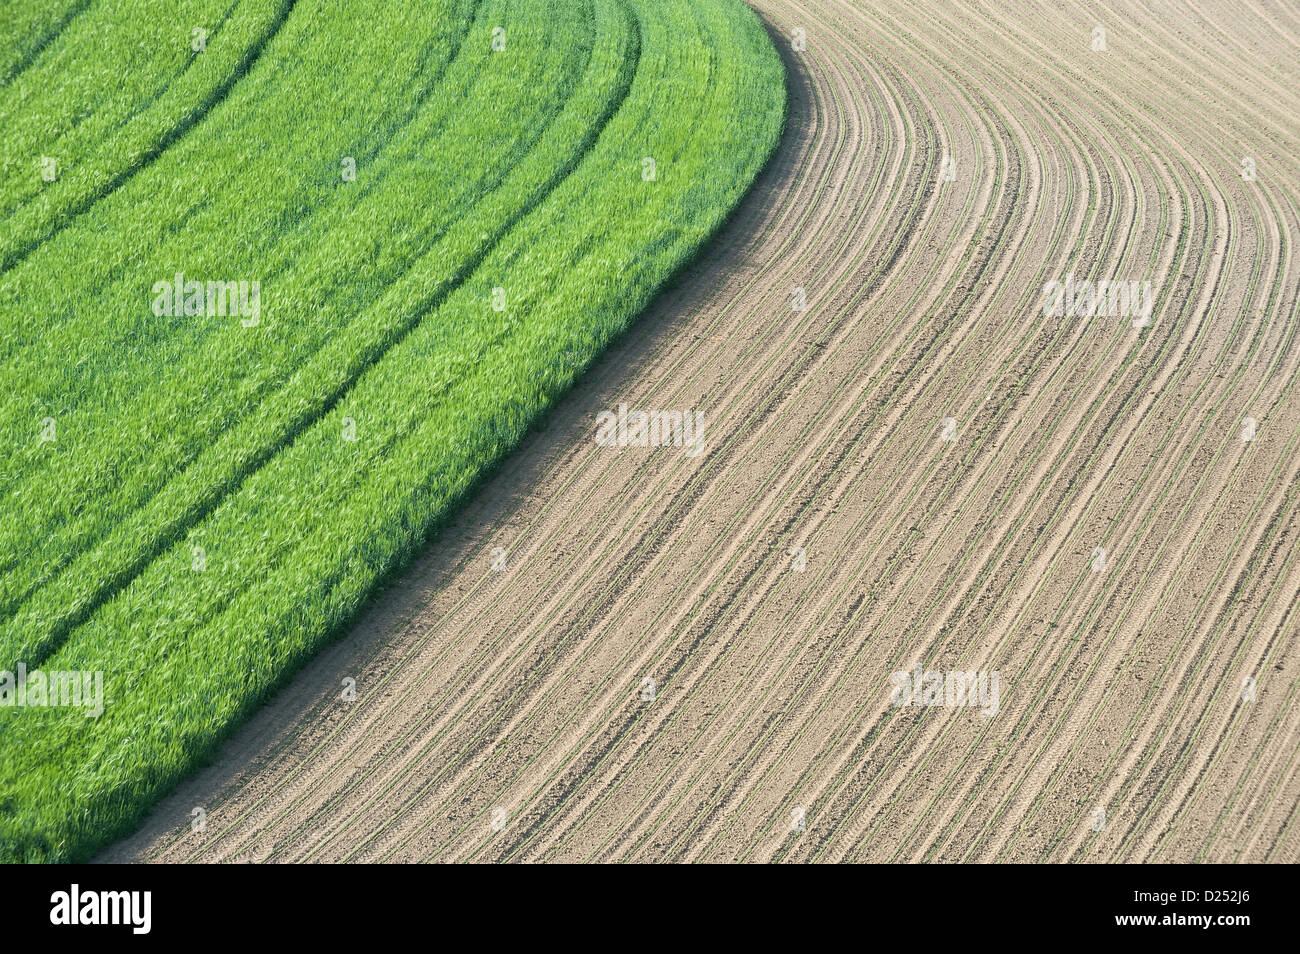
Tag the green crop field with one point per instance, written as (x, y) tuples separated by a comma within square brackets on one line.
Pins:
[(278, 283)]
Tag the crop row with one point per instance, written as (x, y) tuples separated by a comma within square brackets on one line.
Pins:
[(414, 323)]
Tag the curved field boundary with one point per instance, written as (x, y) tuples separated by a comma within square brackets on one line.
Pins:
[(501, 710), (619, 502), (439, 348)]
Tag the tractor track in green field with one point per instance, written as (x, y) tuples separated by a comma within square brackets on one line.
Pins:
[(679, 360), (326, 403), (13, 256), (841, 462), (515, 692), (108, 583), (715, 487), (129, 569), (501, 712), (485, 578), (43, 43)]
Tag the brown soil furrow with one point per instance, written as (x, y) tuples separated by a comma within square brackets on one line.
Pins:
[(500, 715)]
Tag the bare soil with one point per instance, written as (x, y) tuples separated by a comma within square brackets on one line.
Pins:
[(1096, 531)]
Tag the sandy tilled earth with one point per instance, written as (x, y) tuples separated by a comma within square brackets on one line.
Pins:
[(1091, 525)]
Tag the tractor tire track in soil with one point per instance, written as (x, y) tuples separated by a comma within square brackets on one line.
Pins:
[(635, 654)]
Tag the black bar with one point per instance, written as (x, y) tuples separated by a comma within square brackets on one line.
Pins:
[(941, 903)]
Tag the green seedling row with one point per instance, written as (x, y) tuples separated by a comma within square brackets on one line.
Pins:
[(413, 323)]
